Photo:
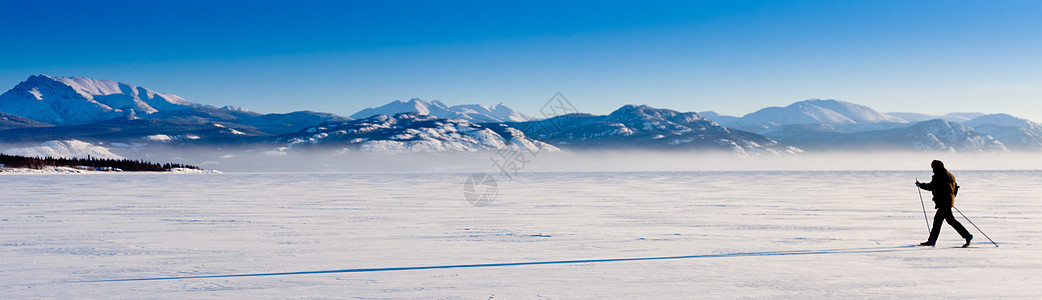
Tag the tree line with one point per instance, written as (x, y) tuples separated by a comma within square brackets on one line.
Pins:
[(15, 161)]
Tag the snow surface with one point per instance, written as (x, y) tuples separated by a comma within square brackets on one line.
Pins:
[(636, 235), (44, 170), (70, 170)]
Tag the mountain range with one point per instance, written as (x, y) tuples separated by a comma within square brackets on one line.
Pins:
[(45, 108), (413, 132), (837, 125), (646, 128)]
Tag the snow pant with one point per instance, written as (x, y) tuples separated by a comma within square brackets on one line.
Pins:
[(944, 213)]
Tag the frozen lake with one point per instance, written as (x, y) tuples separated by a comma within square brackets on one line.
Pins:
[(546, 235)]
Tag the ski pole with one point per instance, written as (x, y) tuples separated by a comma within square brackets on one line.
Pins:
[(923, 204), (975, 225)]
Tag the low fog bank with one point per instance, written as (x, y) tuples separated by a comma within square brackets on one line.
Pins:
[(235, 159), (329, 160), (830, 161)]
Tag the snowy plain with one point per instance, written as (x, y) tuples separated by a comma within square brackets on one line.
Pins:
[(656, 235)]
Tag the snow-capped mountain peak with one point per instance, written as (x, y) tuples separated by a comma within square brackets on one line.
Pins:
[(494, 113), (854, 112), (415, 105), (646, 117), (235, 108), (471, 112), (1001, 120), (80, 100), (813, 111)]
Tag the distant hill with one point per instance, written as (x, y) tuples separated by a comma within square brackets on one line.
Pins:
[(934, 135), (647, 128), (9, 121), (1015, 133), (412, 132), (64, 149), (470, 112), (823, 112), (952, 117), (818, 125)]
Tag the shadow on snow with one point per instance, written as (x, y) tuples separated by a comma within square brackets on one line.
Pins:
[(529, 263)]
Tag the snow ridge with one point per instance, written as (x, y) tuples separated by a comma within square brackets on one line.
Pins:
[(64, 149)]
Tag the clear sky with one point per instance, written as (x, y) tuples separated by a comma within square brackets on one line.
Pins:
[(732, 57)]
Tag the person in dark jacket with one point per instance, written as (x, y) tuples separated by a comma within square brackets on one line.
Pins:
[(944, 190)]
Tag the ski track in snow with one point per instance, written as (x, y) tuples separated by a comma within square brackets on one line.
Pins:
[(553, 235)]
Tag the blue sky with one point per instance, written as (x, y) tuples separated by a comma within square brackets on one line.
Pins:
[(732, 57)]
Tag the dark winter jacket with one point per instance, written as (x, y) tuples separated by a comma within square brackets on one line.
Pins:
[(943, 187)]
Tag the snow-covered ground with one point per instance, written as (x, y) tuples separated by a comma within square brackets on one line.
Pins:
[(69, 170), (45, 170), (68, 148), (546, 235)]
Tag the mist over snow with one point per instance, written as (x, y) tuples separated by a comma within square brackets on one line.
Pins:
[(281, 159), (655, 161)]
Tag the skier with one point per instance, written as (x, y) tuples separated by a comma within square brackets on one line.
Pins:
[(944, 190)]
